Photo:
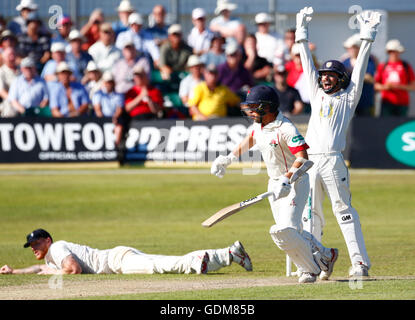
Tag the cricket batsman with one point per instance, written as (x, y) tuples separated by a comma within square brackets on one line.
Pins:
[(334, 97), (284, 152)]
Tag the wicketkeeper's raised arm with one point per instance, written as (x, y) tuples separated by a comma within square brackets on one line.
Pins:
[(369, 22), (303, 18)]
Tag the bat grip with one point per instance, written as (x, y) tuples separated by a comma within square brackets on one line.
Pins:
[(265, 194)]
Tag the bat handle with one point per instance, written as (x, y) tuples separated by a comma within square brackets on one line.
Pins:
[(265, 194)]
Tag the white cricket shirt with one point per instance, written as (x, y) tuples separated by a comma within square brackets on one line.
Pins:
[(278, 142), (331, 114)]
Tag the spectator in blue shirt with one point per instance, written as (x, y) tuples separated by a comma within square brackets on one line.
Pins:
[(158, 27), (76, 57), (28, 91), (107, 102), (67, 98), (58, 55), (124, 10)]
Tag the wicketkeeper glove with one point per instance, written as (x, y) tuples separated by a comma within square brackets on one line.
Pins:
[(282, 188), (369, 22), (303, 18), (221, 163)]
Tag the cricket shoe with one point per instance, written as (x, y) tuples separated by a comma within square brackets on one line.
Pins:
[(328, 264), (240, 256), (359, 270), (307, 277), (201, 263)]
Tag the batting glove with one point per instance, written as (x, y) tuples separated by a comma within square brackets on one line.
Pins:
[(282, 188), (369, 22), (221, 163), (303, 18)]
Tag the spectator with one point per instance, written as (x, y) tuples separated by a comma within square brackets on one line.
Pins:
[(33, 43), (229, 27), (77, 58), (290, 100), (107, 102), (28, 91), (64, 26), (7, 39), (289, 40), (19, 24), (216, 54), (269, 46), (122, 70), (394, 79), (199, 37), (142, 40), (367, 100), (296, 78), (104, 52), (92, 79), (124, 10), (259, 67), (67, 98), (174, 53), (58, 55), (3, 24), (8, 73), (158, 26), (211, 99), (188, 84), (91, 30), (232, 73)]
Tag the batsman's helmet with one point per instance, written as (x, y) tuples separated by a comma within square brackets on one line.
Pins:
[(340, 69), (262, 99)]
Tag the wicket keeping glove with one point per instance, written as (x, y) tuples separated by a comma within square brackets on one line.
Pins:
[(303, 18), (369, 22), (282, 188), (221, 163)]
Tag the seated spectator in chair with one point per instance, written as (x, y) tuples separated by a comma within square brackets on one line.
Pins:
[(290, 99), (107, 102), (174, 53), (77, 58), (259, 67), (232, 73), (211, 99), (216, 54), (124, 10), (188, 84), (58, 55), (104, 52), (67, 98), (142, 40), (8, 73), (200, 36), (91, 30), (28, 91), (158, 26), (123, 68), (92, 81)]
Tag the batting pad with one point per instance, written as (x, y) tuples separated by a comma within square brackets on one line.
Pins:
[(296, 247)]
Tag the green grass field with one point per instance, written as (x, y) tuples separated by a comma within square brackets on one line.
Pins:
[(160, 211)]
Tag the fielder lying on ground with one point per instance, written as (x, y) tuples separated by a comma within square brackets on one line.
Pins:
[(62, 257)]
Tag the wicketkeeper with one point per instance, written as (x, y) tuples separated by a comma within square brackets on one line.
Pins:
[(284, 152), (334, 97), (62, 257)]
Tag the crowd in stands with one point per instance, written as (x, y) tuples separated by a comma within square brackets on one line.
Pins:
[(135, 69)]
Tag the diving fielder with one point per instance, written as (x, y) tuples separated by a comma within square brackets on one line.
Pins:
[(284, 152), (62, 257), (334, 97)]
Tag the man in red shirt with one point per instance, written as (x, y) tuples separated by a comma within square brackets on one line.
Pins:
[(394, 79)]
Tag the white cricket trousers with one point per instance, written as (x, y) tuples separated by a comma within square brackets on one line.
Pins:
[(330, 175), (128, 260)]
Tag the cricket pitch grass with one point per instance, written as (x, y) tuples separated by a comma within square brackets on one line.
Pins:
[(160, 211)]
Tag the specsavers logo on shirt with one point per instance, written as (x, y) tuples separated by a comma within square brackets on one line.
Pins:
[(401, 143)]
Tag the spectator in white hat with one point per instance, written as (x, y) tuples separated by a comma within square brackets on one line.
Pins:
[(107, 102), (142, 40), (199, 37), (58, 50), (158, 25), (195, 76), (67, 98), (125, 8), (92, 80), (228, 26), (18, 25), (394, 79), (174, 53), (76, 57), (269, 45)]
